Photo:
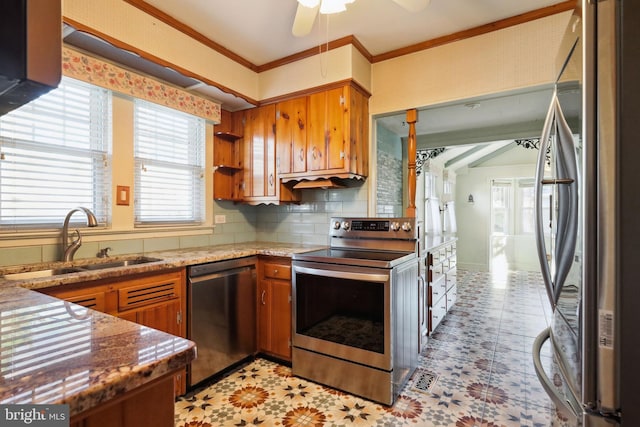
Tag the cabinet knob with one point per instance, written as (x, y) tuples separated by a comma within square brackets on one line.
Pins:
[(262, 297), (301, 156), (270, 180)]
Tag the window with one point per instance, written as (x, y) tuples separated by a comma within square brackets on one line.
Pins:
[(169, 160), (517, 217), (501, 207), (527, 197), (54, 156)]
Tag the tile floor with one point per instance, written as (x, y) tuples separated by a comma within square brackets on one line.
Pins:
[(477, 363)]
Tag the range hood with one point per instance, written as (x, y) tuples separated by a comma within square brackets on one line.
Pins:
[(30, 50)]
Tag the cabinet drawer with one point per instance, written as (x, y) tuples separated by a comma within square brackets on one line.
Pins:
[(453, 261), (436, 314), (451, 297), (277, 271), (437, 290), (94, 301), (148, 292), (436, 272), (438, 255), (451, 278)]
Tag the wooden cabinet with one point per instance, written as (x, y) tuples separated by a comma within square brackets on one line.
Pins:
[(291, 135), (261, 180), (274, 307), (337, 135), (441, 282), (156, 300), (149, 405), (228, 157), (260, 154), (320, 136)]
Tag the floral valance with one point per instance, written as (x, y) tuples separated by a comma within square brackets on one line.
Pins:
[(107, 75)]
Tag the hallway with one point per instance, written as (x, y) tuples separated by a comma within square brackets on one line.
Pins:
[(476, 370)]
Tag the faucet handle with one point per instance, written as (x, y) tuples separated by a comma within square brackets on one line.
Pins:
[(103, 253), (79, 237), (72, 248)]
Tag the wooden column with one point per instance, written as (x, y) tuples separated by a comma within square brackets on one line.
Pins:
[(412, 118)]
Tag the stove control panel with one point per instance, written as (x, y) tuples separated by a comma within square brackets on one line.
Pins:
[(372, 227)]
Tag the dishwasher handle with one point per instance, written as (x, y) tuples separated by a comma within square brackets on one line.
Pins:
[(225, 273)]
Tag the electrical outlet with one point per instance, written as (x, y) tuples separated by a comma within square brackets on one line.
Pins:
[(221, 219)]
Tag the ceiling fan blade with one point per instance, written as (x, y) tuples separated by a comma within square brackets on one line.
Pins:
[(304, 20), (413, 5)]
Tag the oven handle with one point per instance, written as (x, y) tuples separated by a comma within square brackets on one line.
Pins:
[(367, 277)]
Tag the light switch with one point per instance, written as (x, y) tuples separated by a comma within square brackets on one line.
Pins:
[(122, 195)]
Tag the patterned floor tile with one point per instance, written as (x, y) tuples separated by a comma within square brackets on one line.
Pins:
[(480, 353)]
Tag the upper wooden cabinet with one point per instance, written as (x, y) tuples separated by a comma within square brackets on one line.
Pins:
[(336, 138), (262, 152), (228, 157), (291, 135), (261, 180)]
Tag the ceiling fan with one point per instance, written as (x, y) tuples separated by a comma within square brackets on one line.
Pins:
[(308, 11)]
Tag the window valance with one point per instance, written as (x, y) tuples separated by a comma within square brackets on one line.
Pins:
[(105, 74)]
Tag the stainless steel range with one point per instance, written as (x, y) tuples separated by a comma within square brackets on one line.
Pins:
[(355, 308)]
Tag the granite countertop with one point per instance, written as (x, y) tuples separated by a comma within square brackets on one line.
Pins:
[(166, 260), (59, 352)]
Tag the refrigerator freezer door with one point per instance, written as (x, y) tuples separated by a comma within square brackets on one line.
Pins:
[(565, 180)]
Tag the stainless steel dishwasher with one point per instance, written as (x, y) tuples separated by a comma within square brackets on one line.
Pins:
[(221, 315)]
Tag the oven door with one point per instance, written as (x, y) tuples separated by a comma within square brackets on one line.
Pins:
[(343, 312)]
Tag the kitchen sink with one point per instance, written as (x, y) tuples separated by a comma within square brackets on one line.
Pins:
[(40, 273), (119, 263), (100, 265)]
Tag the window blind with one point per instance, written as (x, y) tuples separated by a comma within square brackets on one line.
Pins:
[(169, 160), (55, 156)]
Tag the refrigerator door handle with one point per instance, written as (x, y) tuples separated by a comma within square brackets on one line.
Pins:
[(567, 168), (568, 409), (540, 243)]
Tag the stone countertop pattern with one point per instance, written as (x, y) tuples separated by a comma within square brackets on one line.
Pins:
[(166, 260), (58, 352)]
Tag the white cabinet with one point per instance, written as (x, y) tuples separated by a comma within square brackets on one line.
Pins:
[(441, 282)]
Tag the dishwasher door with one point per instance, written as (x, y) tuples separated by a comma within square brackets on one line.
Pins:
[(221, 315)]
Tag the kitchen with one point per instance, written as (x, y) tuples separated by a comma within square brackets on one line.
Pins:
[(391, 82)]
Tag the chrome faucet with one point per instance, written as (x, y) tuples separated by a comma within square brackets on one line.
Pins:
[(70, 249)]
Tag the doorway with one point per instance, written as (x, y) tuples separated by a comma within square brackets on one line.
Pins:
[(512, 225)]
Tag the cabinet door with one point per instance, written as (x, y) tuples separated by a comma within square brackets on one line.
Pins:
[(326, 137), (291, 135), (166, 317), (260, 154), (281, 318), (274, 317)]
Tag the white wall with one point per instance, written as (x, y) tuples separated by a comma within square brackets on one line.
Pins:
[(474, 219)]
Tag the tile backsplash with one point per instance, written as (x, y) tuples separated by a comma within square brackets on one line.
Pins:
[(303, 223)]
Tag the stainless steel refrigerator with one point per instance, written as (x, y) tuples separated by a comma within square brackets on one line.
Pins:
[(588, 219)]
